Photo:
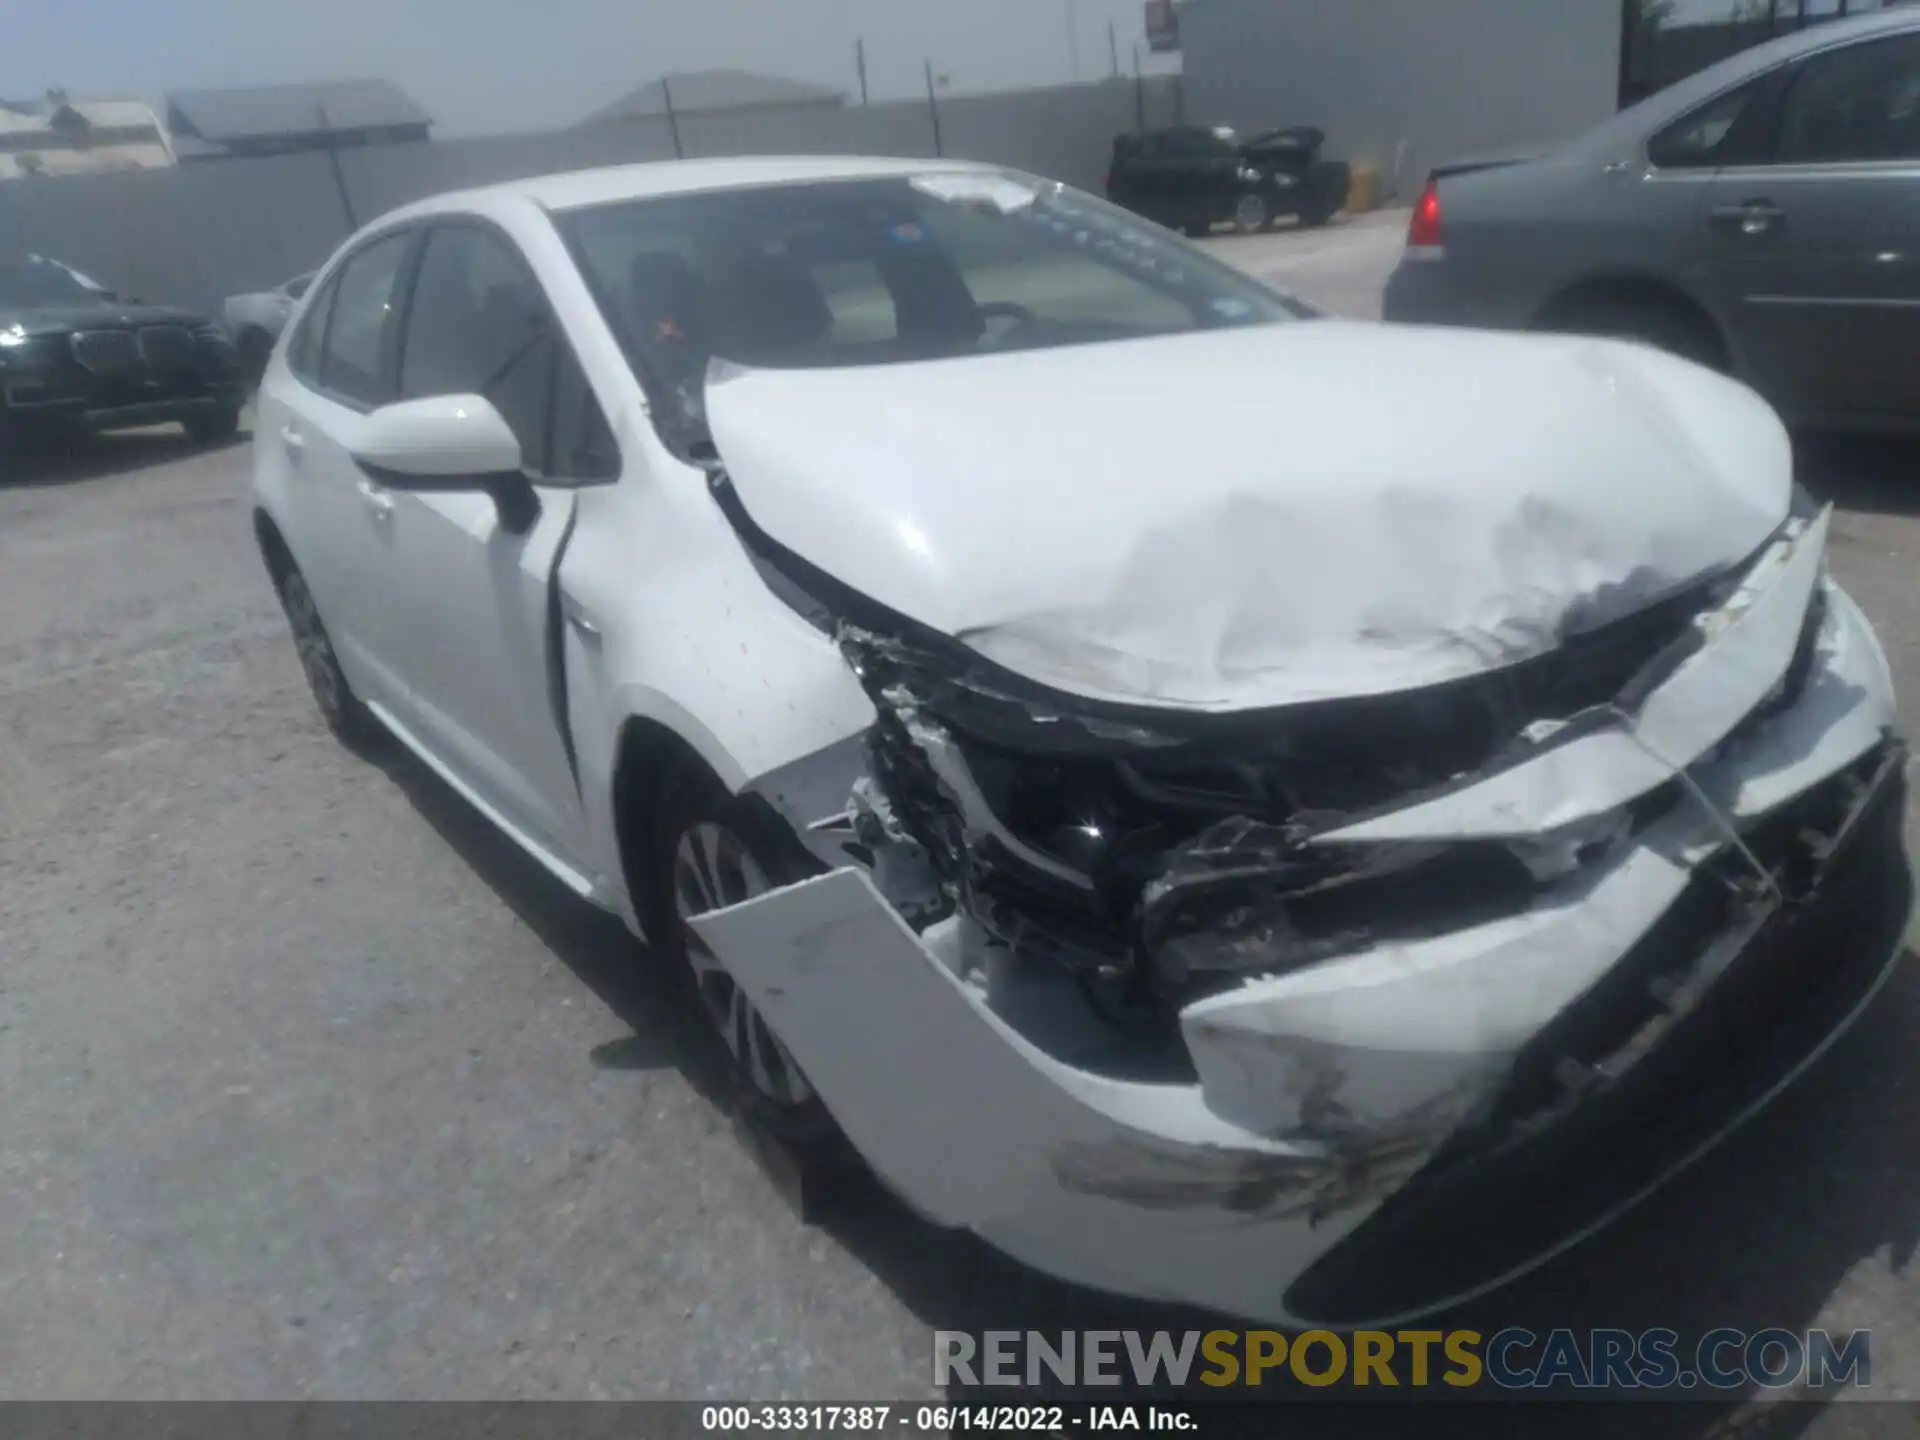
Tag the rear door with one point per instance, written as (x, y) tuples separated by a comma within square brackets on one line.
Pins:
[(476, 626), (1816, 246), (340, 366)]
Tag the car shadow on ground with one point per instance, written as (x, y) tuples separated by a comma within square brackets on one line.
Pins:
[(650, 998), (1810, 1199), (26, 465), (1879, 475)]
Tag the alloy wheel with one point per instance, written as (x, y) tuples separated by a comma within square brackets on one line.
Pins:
[(713, 869), (1250, 213), (314, 648)]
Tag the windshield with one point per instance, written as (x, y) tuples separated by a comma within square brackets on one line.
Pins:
[(877, 272), (33, 282)]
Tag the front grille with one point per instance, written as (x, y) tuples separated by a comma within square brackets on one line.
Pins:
[(106, 352), (167, 347)]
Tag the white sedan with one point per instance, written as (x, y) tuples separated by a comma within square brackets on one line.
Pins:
[(1231, 806)]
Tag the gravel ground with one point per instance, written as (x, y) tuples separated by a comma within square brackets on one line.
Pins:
[(313, 1088)]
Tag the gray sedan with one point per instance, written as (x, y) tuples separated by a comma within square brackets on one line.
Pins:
[(1762, 217)]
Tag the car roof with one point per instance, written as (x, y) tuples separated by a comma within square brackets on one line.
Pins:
[(1665, 106), (613, 183)]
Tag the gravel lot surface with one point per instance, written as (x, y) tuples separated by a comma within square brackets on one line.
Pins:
[(311, 1087)]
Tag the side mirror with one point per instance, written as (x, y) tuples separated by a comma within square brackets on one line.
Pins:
[(449, 444)]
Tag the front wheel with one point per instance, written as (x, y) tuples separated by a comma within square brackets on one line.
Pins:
[(714, 851)]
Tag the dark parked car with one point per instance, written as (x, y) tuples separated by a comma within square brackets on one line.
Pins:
[(77, 358), (1761, 217), (1189, 178)]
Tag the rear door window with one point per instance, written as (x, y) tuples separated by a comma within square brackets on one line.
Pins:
[(1721, 132), (356, 358), (303, 351)]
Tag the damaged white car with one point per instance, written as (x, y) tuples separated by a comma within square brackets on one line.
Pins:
[(1222, 803)]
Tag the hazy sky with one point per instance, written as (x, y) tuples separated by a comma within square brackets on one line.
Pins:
[(485, 65)]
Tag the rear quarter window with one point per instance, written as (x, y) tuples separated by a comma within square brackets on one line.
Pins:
[(1721, 132)]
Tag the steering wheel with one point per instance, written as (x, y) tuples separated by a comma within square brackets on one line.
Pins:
[(1020, 315)]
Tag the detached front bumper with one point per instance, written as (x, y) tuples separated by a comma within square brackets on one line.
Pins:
[(1344, 1120)]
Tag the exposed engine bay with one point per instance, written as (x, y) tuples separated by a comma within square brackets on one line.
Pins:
[(1161, 857)]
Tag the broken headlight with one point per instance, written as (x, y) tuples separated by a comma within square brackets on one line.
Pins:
[(1171, 858)]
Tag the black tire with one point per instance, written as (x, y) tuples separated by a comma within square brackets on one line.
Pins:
[(694, 822), (1197, 229), (1666, 325), (1252, 213), (256, 349), (347, 716), (1318, 215), (213, 427)]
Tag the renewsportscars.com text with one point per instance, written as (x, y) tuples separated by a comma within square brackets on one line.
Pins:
[(1510, 1359)]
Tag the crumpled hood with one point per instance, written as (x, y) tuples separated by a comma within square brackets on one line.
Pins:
[(1259, 517)]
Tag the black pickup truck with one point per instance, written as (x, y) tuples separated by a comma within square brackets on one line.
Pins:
[(1191, 178), (77, 358)]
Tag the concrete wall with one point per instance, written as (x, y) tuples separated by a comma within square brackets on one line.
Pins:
[(196, 234), (1442, 78)]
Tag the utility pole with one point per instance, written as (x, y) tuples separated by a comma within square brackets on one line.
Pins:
[(1139, 93), (860, 64), (1113, 48), (333, 163), (933, 109), (1073, 37), (673, 118)]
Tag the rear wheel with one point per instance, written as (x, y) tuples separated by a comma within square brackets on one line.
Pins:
[(1669, 325), (1252, 213), (713, 851), (346, 715)]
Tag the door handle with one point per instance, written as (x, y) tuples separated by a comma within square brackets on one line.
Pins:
[(1751, 217), (379, 502), (292, 441)]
